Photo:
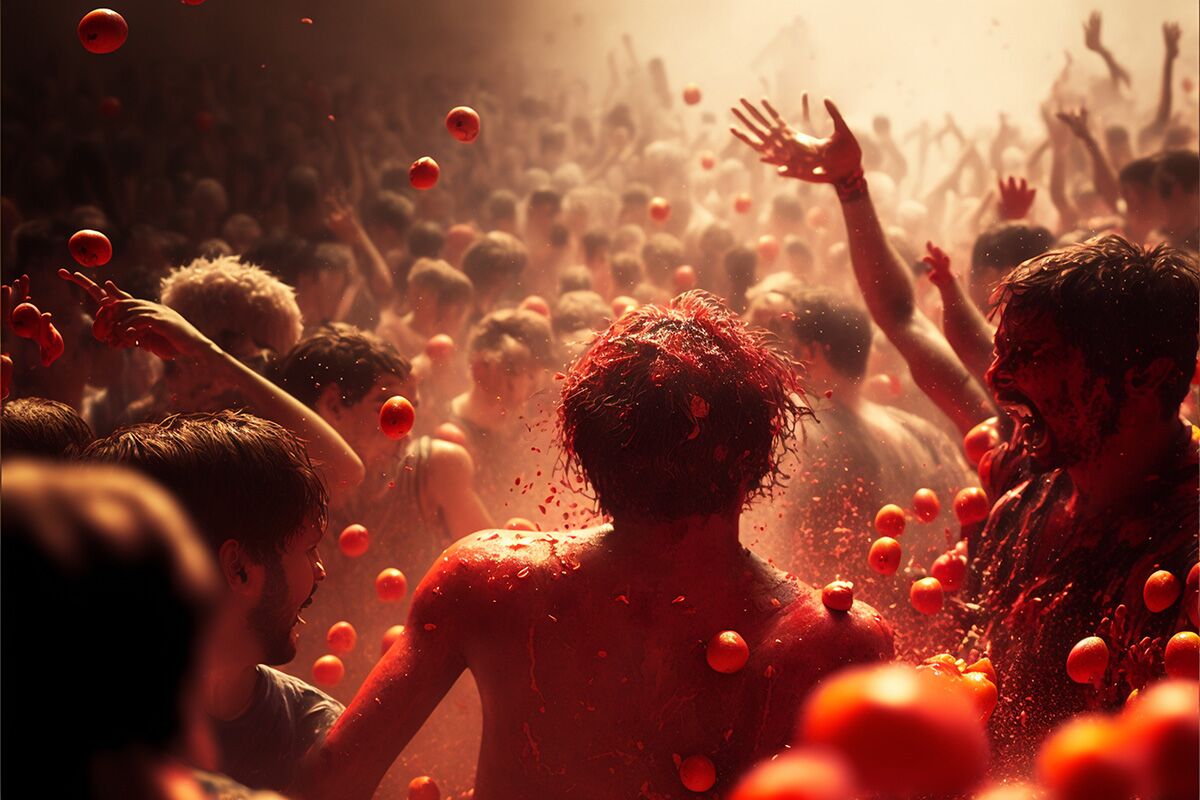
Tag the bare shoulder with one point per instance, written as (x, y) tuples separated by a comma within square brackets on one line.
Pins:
[(442, 451), (832, 638), (483, 569), (449, 460)]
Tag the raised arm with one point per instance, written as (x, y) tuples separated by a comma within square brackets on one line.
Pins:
[(1171, 35), (124, 321), (398, 696), (969, 334), (344, 223), (1091, 40), (1060, 141), (882, 276), (1103, 177)]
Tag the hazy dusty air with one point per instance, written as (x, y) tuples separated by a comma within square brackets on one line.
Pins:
[(904, 59)]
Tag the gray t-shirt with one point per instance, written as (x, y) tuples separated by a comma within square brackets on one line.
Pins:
[(263, 747)]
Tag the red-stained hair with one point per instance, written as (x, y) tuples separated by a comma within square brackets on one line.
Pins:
[(679, 410)]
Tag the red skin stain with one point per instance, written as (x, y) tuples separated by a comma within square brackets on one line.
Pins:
[(613, 728)]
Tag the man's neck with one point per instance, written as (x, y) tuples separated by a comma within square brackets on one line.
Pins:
[(421, 321), (1117, 474), (229, 684), (485, 410), (846, 394), (696, 549)]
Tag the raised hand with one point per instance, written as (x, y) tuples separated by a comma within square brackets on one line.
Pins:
[(1015, 198), (1171, 34), (1091, 33), (939, 264), (836, 160), (1076, 121), (124, 321), (342, 219), (11, 297)]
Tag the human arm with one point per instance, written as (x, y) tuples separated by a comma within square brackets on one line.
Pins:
[(124, 321), (1059, 144), (1091, 40), (881, 274), (344, 223), (1005, 135), (1103, 177), (401, 691), (1171, 35), (969, 334), (895, 158), (451, 483)]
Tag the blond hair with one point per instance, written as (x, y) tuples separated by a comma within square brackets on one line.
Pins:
[(223, 294)]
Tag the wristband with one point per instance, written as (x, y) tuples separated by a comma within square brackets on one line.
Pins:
[(851, 187)]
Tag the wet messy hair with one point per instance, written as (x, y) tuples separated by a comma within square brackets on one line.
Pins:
[(238, 476), (1121, 305), (678, 410)]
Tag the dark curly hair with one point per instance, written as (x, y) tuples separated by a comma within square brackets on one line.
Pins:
[(679, 410)]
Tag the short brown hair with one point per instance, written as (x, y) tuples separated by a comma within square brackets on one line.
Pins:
[(239, 476), (36, 426), (342, 355), (448, 285), (494, 261), (496, 333)]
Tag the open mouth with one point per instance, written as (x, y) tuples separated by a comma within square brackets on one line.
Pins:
[(1031, 424), (299, 619)]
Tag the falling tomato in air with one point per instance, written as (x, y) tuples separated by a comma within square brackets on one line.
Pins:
[(396, 417), (102, 31)]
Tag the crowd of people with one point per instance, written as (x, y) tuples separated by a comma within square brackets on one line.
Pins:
[(699, 443)]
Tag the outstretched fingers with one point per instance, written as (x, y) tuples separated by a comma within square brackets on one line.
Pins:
[(779, 121), (87, 284), (116, 292), (750, 126), (754, 112), (839, 124), (758, 146)]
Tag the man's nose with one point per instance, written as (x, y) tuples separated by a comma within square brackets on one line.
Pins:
[(319, 569)]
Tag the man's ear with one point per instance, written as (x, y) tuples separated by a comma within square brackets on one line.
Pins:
[(480, 373), (329, 402), (1146, 380), (241, 573)]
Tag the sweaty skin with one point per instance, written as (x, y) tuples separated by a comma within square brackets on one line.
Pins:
[(589, 652)]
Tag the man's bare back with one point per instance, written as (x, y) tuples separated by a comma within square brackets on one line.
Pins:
[(589, 652)]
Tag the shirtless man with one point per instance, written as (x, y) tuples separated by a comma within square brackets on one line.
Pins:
[(589, 647), (860, 456)]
